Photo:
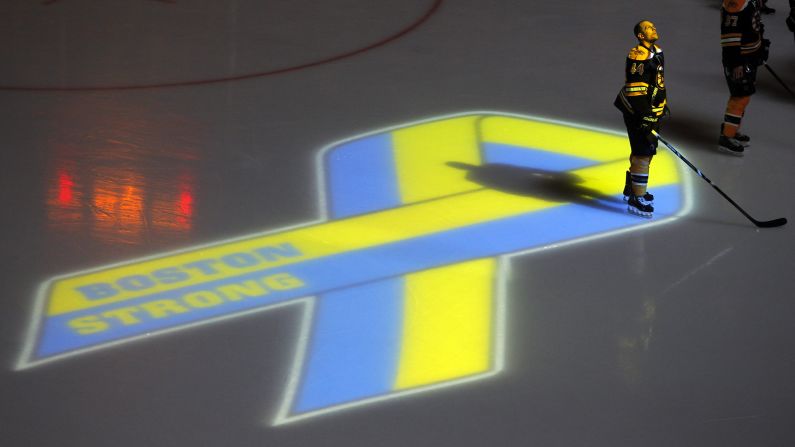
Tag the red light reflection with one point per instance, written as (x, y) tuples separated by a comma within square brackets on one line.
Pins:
[(127, 177), (121, 205), (173, 210), (65, 185), (64, 202)]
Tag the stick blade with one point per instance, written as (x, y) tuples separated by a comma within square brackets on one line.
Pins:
[(772, 223)]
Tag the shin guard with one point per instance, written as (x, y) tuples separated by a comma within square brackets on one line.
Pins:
[(735, 110), (639, 173)]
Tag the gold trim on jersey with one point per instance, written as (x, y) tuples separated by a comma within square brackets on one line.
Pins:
[(751, 47), (731, 39), (636, 88), (659, 110)]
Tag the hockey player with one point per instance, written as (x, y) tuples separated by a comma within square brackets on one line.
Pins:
[(642, 101), (744, 49)]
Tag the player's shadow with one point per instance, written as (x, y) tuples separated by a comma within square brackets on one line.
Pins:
[(552, 186)]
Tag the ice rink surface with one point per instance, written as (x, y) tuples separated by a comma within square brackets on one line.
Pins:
[(137, 131)]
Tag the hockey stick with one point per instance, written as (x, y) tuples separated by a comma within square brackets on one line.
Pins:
[(762, 224), (779, 79)]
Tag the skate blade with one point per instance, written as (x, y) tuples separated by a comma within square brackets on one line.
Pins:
[(637, 212), (731, 152)]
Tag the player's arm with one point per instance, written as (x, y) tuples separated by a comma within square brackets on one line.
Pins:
[(638, 77)]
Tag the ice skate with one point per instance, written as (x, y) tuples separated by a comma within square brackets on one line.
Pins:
[(648, 197), (730, 146), (639, 206), (743, 139)]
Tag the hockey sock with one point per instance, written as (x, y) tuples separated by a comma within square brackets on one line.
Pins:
[(639, 173), (639, 184), (735, 110)]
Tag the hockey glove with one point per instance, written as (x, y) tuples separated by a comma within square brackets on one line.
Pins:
[(647, 124), (648, 121)]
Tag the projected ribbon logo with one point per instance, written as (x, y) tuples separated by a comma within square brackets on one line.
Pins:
[(402, 282)]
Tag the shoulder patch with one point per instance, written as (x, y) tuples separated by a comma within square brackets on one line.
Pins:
[(734, 6), (638, 53)]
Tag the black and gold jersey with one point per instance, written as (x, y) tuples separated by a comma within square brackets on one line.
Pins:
[(643, 93), (741, 32)]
